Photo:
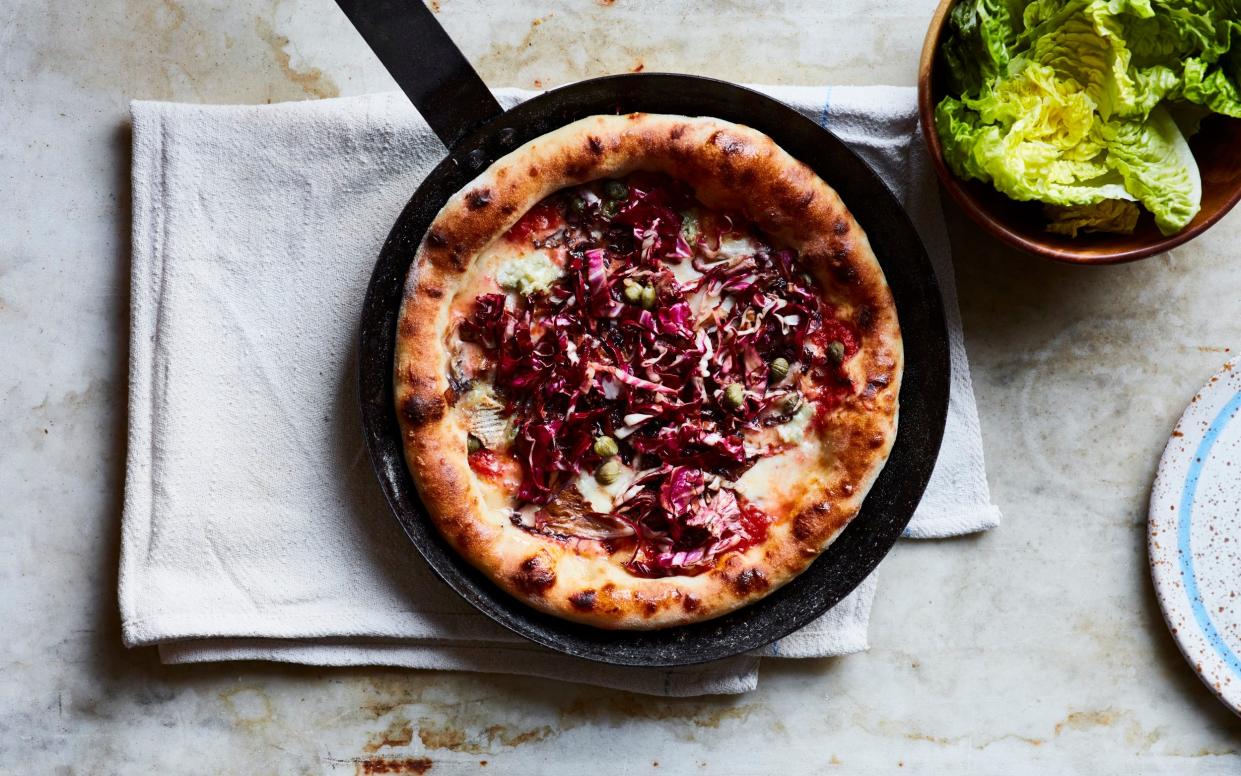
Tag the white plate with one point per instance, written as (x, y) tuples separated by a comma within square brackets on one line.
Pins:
[(1195, 534)]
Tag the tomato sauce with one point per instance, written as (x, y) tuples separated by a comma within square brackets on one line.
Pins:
[(541, 218), (756, 522), (486, 463)]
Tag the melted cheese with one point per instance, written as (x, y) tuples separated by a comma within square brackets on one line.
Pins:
[(793, 430), (736, 247), (777, 483), (527, 274), (684, 271)]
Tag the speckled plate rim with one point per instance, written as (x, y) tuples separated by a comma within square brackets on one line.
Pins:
[(1177, 574)]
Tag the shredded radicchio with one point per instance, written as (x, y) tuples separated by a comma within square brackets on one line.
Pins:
[(583, 359)]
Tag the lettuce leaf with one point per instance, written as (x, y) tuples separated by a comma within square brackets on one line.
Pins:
[(982, 32), (1155, 162), (1108, 215), (1033, 137), (1076, 103)]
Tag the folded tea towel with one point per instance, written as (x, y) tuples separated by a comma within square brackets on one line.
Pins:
[(253, 526)]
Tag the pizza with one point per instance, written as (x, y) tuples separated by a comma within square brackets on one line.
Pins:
[(647, 369)]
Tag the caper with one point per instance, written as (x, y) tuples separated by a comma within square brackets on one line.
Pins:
[(608, 472), (605, 447), (689, 227), (615, 190), (648, 297), (790, 403), (734, 396), (778, 369), (633, 291), (473, 444), (836, 351)]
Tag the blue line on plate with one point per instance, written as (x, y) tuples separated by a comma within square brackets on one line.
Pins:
[(1183, 530)]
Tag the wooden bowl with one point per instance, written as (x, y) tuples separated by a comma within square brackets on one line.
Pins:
[(1216, 147)]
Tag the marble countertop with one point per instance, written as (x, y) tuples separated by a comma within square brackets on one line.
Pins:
[(1037, 648)]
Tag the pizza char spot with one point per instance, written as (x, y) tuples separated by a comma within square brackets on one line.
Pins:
[(435, 292), (845, 271), (729, 145), (866, 321), (690, 603), (840, 227), (478, 199), (594, 145), (677, 132), (420, 411), (436, 238), (583, 601), (534, 171), (804, 526), (750, 581), (535, 575)]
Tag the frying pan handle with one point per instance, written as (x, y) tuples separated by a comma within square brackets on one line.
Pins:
[(426, 64)]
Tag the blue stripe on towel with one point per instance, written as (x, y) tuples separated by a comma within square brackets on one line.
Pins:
[(827, 106)]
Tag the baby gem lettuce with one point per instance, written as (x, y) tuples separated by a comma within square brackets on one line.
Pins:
[(1085, 105)]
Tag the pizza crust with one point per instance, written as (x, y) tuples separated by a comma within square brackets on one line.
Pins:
[(731, 168)]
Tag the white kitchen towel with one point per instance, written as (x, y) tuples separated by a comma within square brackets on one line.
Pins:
[(253, 526)]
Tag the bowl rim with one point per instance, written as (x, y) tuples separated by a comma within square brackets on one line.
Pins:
[(995, 227)]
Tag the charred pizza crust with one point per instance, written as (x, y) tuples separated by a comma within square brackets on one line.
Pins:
[(732, 168)]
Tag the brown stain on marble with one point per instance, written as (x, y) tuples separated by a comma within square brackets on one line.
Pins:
[(972, 741), (1135, 735), (313, 81), (507, 737), (176, 12), (1084, 720), (471, 728), (387, 693), (249, 706), (628, 707), (400, 765), (163, 50), (456, 739), (398, 733)]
